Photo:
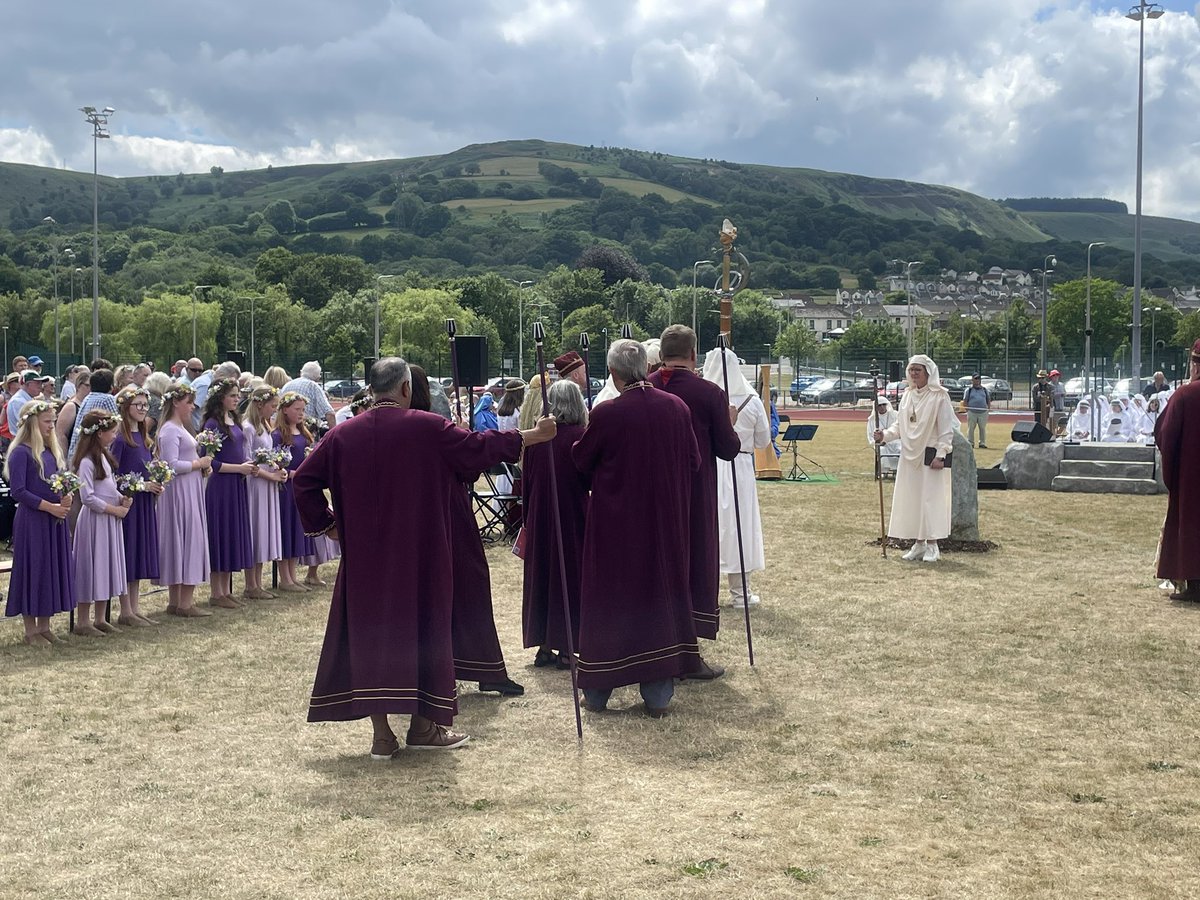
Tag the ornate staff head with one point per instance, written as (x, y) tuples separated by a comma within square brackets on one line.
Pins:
[(627, 331), (451, 328), (584, 343), (539, 333)]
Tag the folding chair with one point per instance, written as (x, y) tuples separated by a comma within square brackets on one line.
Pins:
[(495, 501)]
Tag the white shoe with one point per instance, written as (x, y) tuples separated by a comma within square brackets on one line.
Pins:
[(915, 552), (931, 552), (735, 601)]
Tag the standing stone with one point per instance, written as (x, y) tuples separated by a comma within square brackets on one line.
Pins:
[(964, 491), (1031, 467)]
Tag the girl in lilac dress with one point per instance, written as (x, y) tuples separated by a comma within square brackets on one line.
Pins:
[(43, 573), (99, 541), (291, 432), (182, 520), (226, 499), (266, 544), (132, 450)]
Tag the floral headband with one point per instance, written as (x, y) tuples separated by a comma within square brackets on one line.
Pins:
[(104, 424), (178, 392), (362, 403), (264, 394), (221, 385), (35, 408), (291, 397), (128, 394)]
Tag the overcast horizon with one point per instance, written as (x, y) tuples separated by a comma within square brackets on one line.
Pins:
[(1006, 100)]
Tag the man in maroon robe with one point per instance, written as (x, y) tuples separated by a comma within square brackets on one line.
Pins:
[(635, 611), (711, 418), (389, 472), (1177, 435)]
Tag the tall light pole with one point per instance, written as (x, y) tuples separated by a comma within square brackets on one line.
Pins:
[(49, 220), (379, 278), (1087, 345), (521, 285), (1154, 311), (908, 267), (70, 255), (5, 344), (196, 290), (1050, 260), (695, 272), (98, 119), (78, 271), (1139, 14)]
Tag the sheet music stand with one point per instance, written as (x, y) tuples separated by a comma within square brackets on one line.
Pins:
[(793, 435)]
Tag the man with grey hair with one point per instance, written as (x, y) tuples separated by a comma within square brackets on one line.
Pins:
[(388, 642), (308, 386), (635, 616)]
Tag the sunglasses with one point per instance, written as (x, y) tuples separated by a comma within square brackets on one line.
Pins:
[(190, 369)]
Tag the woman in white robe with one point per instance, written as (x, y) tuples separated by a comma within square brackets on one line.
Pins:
[(925, 427), (889, 453), (1079, 427), (1114, 430), (753, 428)]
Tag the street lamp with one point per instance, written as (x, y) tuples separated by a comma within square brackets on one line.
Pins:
[(380, 278), (98, 119), (1094, 426), (1139, 14), (253, 367), (236, 339), (49, 220), (695, 271), (70, 255), (78, 271), (1050, 260), (908, 267), (521, 285), (196, 290), (1154, 311)]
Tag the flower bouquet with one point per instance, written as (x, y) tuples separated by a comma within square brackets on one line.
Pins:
[(130, 484), (265, 456), (210, 441), (64, 483), (160, 471), (283, 457)]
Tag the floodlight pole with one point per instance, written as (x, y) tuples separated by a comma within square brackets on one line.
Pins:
[(98, 119)]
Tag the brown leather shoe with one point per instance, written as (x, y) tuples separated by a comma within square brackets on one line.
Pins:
[(50, 636), (655, 712), (86, 631), (106, 627), (706, 672), (292, 588), (258, 594), (440, 738), (37, 639), (132, 622), (385, 749), (191, 612), (224, 603)]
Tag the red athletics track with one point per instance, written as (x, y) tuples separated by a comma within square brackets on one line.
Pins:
[(854, 414)]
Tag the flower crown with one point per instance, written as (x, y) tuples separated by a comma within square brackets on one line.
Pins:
[(104, 424), (35, 408), (291, 397), (263, 394), (178, 392), (129, 392), (362, 403), (221, 385)]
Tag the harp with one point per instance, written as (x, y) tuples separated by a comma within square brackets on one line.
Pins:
[(766, 463)]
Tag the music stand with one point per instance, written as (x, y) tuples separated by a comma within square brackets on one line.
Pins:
[(793, 435)]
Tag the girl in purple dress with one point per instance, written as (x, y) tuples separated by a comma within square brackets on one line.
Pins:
[(266, 544), (182, 523), (226, 501), (292, 432), (133, 449), (43, 573), (99, 541)]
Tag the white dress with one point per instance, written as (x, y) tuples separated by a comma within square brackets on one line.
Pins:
[(921, 499), (753, 428)]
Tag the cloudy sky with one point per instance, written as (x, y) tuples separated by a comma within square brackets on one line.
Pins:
[(1001, 97)]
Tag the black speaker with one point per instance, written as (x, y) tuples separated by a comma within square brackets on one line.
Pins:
[(992, 479), (1031, 433), (367, 362), (895, 371), (237, 356), (472, 360)]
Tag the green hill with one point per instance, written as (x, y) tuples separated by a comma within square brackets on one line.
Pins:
[(1165, 238)]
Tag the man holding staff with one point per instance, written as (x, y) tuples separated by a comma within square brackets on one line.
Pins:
[(388, 646), (1177, 433), (925, 427)]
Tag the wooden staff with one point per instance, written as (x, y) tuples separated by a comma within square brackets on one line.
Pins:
[(539, 336), (452, 330), (879, 476), (737, 511), (584, 343)]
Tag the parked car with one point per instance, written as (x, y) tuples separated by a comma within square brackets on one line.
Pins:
[(597, 385), (997, 388), (800, 384), (344, 389), (894, 391), (1074, 388), (830, 390)]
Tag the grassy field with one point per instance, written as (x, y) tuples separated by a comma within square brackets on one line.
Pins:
[(1015, 724)]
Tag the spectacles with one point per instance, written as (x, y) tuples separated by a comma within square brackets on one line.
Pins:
[(190, 369), (139, 405)]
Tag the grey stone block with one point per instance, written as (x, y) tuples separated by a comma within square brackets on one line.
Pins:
[(1073, 484), (1031, 467)]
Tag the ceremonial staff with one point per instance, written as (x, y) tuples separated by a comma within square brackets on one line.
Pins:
[(627, 331), (879, 470), (452, 330), (539, 337), (584, 343), (737, 511)]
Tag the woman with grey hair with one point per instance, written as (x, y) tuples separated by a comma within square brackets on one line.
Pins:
[(157, 384), (542, 620)]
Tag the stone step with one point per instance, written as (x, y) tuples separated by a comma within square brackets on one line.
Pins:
[(1109, 452), (1094, 468), (1075, 484)]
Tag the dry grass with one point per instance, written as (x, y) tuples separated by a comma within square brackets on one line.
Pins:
[(1014, 724)]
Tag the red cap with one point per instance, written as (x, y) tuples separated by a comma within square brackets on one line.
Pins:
[(568, 362), (1054, 372)]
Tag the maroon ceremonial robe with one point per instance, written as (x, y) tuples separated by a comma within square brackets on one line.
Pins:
[(715, 439), (542, 606), (635, 611), (390, 473), (477, 653), (1177, 435)]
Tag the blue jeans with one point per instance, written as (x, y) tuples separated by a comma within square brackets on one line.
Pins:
[(657, 694)]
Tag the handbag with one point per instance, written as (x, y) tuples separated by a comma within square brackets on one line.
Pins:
[(931, 454)]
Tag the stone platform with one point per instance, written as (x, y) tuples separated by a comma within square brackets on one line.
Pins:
[(1092, 468)]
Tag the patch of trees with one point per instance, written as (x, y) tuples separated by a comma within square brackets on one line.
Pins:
[(1066, 204)]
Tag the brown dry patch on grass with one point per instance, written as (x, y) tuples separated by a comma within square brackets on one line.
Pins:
[(1019, 723)]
